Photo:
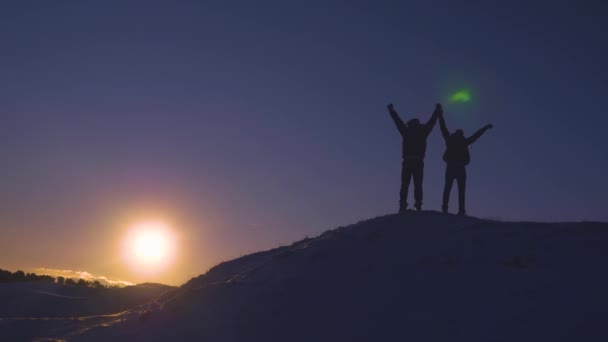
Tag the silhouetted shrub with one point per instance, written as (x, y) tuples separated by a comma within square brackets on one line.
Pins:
[(19, 276), (5, 276), (46, 278)]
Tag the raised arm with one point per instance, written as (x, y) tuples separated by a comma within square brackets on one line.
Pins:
[(478, 134), (436, 113), (398, 122), (444, 128)]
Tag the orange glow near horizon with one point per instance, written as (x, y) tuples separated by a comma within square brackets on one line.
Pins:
[(149, 247)]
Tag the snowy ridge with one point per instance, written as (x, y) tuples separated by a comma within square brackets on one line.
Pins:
[(419, 276)]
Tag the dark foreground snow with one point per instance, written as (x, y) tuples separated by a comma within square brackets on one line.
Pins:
[(38, 309), (414, 277)]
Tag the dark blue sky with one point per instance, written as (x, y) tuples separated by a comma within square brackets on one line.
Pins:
[(250, 124)]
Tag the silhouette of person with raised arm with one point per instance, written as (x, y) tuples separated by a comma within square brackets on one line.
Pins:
[(414, 136), (457, 157)]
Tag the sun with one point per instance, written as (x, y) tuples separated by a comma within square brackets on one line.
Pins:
[(149, 247)]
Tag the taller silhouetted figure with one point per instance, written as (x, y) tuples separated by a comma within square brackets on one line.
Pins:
[(457, 157), (414, 135)]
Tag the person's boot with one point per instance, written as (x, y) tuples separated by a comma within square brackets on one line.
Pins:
[(418, 207), (444, 209), (462, 213), (402, 209)]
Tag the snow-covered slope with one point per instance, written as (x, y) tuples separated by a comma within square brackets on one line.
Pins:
[(36, 309), (413, 277)]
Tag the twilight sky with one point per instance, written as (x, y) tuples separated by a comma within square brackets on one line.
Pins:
[(250, 124)]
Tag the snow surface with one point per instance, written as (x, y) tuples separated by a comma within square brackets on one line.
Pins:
[(34, 309), (413, 277)]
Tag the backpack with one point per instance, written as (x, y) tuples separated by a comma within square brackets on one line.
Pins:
[(457, 151)]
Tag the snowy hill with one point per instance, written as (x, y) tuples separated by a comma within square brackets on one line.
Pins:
[(417, 277)]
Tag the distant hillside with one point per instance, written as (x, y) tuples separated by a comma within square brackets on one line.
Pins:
[(413, 277), (20, 277)]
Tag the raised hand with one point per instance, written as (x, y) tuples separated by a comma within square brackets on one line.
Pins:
[(439, 109), (390, 107)]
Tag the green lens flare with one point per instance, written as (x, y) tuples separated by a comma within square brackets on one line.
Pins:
[(463, 95)]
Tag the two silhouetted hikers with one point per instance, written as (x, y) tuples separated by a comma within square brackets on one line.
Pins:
[(457, 157), (414, 136)]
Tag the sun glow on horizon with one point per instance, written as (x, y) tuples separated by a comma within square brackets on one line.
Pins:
[(149, 247)]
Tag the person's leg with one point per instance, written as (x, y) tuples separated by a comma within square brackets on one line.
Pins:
[(406, 175), (447, 188), (461, 179), (418, 173)]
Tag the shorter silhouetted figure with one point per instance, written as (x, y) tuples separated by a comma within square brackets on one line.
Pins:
[(414, 136), (457, 157)]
